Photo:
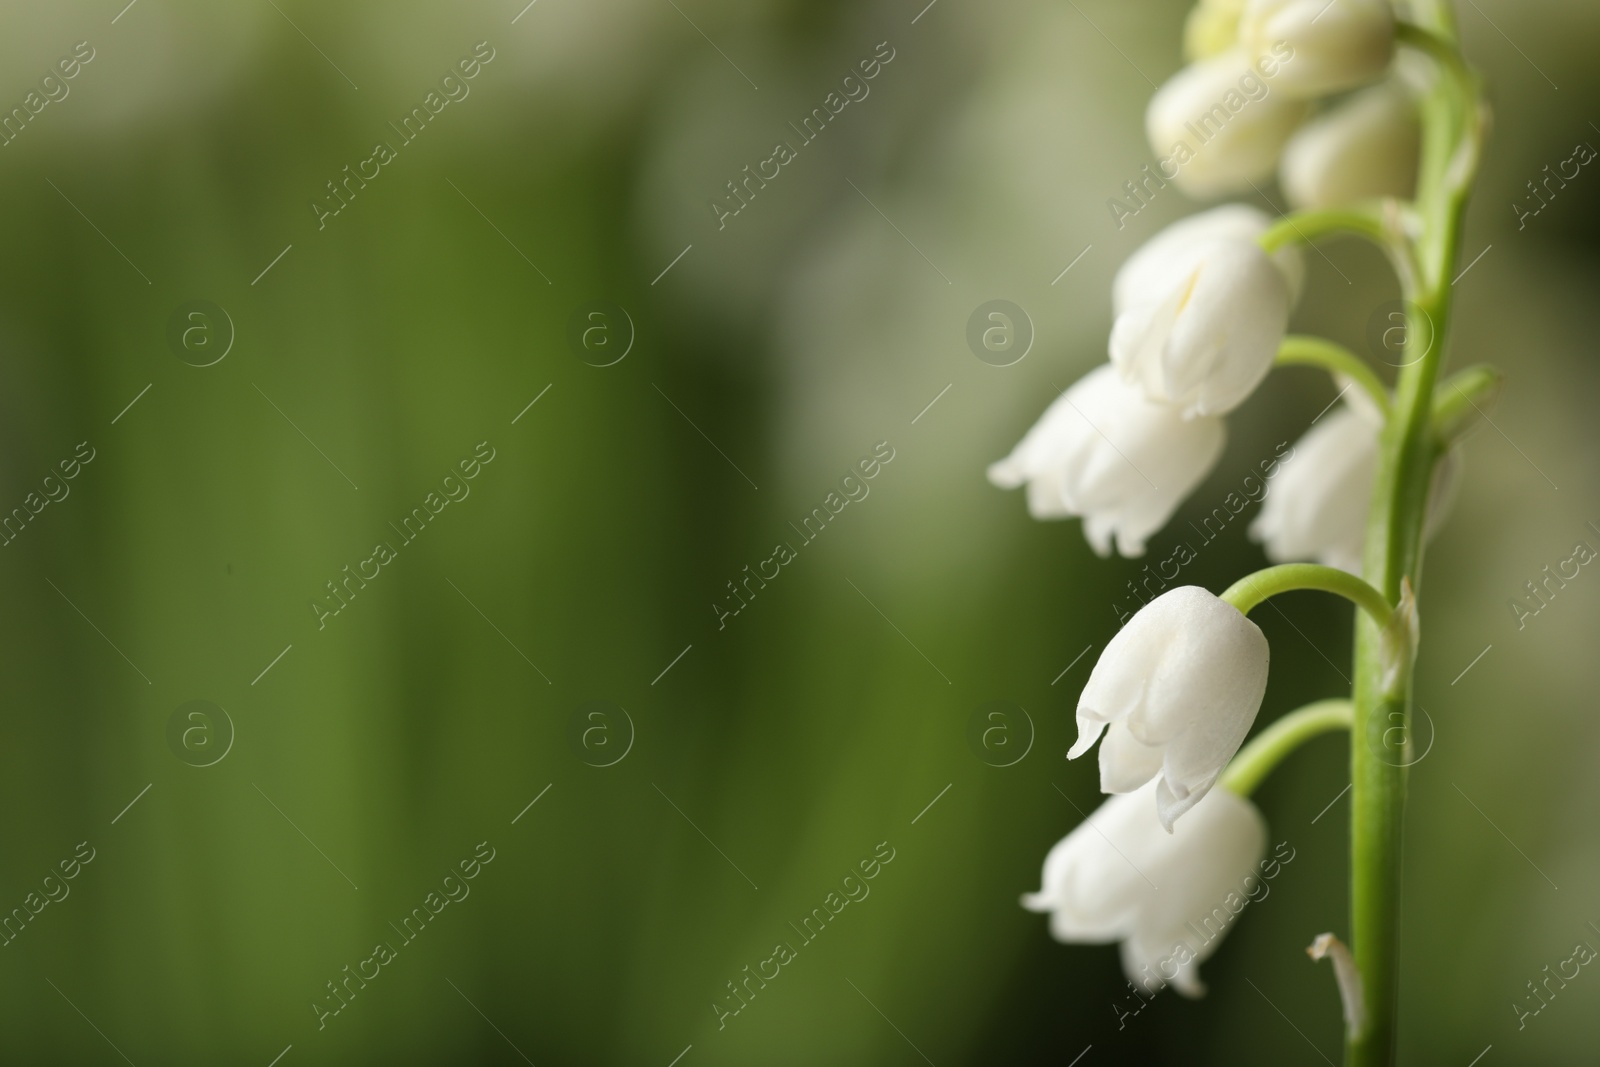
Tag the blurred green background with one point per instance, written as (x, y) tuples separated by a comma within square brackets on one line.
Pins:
[(778, 751)]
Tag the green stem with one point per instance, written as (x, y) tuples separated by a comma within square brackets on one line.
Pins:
[(1452, 139), (1253, 589), (1303, 350), (1303, 227), (1441, 48), (1408, 449), (1268, 748), (1383, 222)]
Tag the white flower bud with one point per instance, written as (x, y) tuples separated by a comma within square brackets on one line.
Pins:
[(1336, 44), (1175, 692), (1211, 27), (1167, 897), (1220, 125), (1167, 258), (1366, 147), (1104, 452), (1206, 339)]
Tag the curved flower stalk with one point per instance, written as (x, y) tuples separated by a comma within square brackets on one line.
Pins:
[(1200, 317)]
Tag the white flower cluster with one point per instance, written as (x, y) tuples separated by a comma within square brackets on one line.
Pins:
[(1170, 700), (1200, 313), (1364, 146), (1201, 309)]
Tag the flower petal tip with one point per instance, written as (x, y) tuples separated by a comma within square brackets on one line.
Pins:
[(1005, 474)]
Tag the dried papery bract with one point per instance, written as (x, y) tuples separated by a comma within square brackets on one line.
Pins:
[(1326, 946)]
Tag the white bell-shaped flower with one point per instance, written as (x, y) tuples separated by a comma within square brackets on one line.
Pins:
[(1366, 147), (1174, 692), (1167, 259), (1336, 44), (1204, 340), (1168, 898), (1104, 452), (1318, 500), (1316, 503), (1220, 124)]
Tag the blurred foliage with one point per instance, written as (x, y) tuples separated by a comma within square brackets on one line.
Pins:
[(782, 748)]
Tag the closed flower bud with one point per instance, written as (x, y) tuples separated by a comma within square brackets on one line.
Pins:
[(1103, 452), (1204, 340), (1167, 897), (1166, 259), (1338, 44), (1221, 124), (1366, 147), (1212, 27), (1174, 692)]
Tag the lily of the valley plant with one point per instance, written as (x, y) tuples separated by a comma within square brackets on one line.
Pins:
[(1374, 125)]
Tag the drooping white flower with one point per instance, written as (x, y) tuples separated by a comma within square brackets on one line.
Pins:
[(1365, 147), (1174, 692), (1220, 125), (1204, 340), (1104, 452), (1337, 44), (1167, 259), (1317, 503), (1167, 897)]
